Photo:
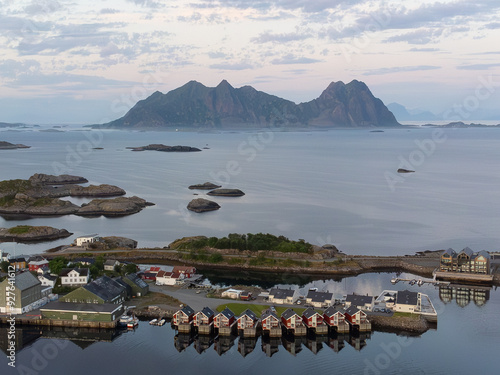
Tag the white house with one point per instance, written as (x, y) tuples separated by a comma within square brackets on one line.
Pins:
[(232, 293), (282, 296), (84, 241), (74, 276), (361, 302), (406, 301), (110, 264), (4, 257), (168, 278), (47, 280)]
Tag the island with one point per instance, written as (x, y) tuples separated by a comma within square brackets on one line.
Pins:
[(39, 196), (402, 170), (10, 146), (204, 186), (27, 233), (226, 193), (165, 148), (202, 205)]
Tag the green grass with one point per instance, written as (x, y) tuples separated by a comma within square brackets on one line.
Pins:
[(20, 229), (406, 315), (239, 308)]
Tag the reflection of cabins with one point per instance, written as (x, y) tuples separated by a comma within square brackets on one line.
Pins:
[(203, 342), (283, 296), (82, 337), (357, 319), (316, 344), (246, 345), (225, 322), (182, 341), (335, 319), (463, 295), (248, 323), (183, 319), (465, 261), (271, 324), (337, 342), (204, 321), (25, 294), (293, 323), (223, 343), (24, 336), (361, 302), (314, 320), (270, 345), (293, 344), (319, 299), (358, 342)]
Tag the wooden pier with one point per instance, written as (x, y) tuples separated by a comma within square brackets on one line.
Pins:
[(228, 331), (205, 329), (273, 332), (185, 328), (60, 323)]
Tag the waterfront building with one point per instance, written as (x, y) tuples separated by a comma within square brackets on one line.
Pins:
[(247, 319), (106, 312), (225, 318), (102, 290), (204, 317), (361, 302), (270, 321), (186, 271), (319, 299), (85, 241), (406, 301), (357, 318), (167, 278), (27, 294), (335, 318), (290, 319), (283, 296), (312, 318), (74, 276), (466, 261), (183, 316)]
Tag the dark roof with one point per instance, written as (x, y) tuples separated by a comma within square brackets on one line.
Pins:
[(81, 271), (26, 280), (208, 312), (309, 312), (37, 258), (319, 296), (110, 262), (485, 254), (137, 280), (83, 307), (352, 310), (250, 314), (332, 311), (127, 287), (187, 310), (227, 313), (105, 288), (269, 313), (288, 314), (49, 277), (405, 297), (450, 252), (281, 293), (467, 251), (359, 300)]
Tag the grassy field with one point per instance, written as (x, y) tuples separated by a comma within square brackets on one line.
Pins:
[(154, 298), (407, 315)]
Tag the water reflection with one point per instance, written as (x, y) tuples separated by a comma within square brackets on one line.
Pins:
[(463, 295)]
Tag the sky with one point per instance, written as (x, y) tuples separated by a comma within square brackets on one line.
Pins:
[(90, 62)]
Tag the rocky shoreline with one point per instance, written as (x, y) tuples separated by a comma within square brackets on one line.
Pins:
[(11, 146), (26, 233)]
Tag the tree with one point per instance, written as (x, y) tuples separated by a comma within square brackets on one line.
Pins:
[(5, 266), (118, 268), (57, 264), (130, 268)]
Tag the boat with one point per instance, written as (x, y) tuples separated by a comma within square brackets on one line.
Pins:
[(154, 322), (161, 322), (394, 280), (420, 282), (124, 320), (133, 323)]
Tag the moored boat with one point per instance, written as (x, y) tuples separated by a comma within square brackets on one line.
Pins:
[(154, 322)]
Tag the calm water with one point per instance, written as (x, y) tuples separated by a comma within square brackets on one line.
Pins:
[(465, 326), (337, 187)]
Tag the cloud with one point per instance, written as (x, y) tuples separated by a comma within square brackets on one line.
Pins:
[(146, 3), (419, 36), (425, 49), (399, 69), (478, 66), (268, 37), (109, 11), (492, 25), (11, 69), (42, 7), (232, 66), (292, 59), (309, 6)]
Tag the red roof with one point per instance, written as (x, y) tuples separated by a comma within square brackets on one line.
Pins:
[(154, 269)]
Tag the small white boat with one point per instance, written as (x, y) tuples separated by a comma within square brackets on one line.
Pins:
[(161, 322), (124, 320), (394, 280), (133, 323), (154, 322), (420, 282)]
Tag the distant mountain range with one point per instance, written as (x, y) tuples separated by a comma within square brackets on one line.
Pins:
[(197, 106), (404, 114)]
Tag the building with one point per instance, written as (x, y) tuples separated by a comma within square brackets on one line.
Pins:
[(102, 290), (4, 257), (85, 241), (47, 280), (204, 317), (357, 318), (25, 293), (168, 278), (183, 316), (312, 318), (74, 276), (270, 320), (361, 302), (333, 317), (290, 319), (186, 271), (139, 287), (149, 276), (406, 301), (110, 264), (19, 263), (319, 299), (225, 318), (105, 312), (283, 296), (232, 293), (248, 319), (466, 261), (246, 295), (37, 263), (83, 261)]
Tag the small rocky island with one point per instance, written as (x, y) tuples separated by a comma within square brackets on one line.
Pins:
[(11, 146), (164, 148), (204, 186), (39, 196), (202, 205), (226, 193), (27, 233), (402, 170)]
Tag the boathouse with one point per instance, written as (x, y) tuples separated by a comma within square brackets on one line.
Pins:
[(204, 320), (224, 319), (271, 324), (186, 271), (87, 312), (314, 320), (335, 319), (248, 319), (183, 316), (293, 322), (357, 319)]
